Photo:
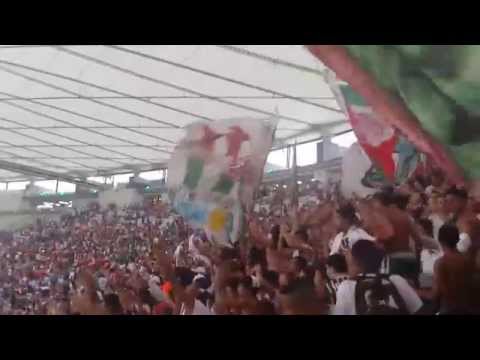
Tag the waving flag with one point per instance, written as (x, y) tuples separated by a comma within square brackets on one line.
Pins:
[(393, 159), (214, 170), (430, 93)]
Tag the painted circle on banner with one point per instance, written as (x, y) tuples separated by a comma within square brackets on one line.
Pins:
[(217, 220)]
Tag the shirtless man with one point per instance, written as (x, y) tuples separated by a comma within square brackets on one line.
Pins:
[(452, 284), (398, 230), (399, 241)]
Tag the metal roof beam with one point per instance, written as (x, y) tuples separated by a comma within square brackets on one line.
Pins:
[(24, 127), (39, 162), (119, 171), (177, 87), (65, 158), (271, 60), (69, 138), (77, 94), (91, 98), (107, 146), (322, 129), (74, 125), (172, 97), (220, 77), (30, 170), (50, 143)]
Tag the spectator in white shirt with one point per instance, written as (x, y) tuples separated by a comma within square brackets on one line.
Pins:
[(181, 254), (364, 260), (350, 231), (191, 289)]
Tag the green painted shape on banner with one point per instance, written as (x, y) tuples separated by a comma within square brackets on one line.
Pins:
[(351, 96), (194, 172), (224, 184)]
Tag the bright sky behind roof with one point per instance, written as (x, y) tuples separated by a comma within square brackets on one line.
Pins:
[(307, 153)]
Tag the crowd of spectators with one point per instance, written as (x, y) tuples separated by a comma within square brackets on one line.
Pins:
[(409, 249)]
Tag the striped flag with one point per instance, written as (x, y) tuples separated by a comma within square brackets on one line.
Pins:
[(429, 93), (214, 172)]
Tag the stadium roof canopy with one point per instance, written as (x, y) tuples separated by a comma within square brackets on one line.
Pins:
[(98, 110)]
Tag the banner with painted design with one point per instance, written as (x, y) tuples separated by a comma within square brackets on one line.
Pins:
[(214, 171), (393, 159)]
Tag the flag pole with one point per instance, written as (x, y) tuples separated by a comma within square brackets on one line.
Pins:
[(294, 200)]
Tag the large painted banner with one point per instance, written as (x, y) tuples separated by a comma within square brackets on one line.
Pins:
[(215, 170)]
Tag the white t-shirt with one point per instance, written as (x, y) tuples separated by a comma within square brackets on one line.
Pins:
[(428, 258), (198, 309), (464, 243), (346, 240), (102, 283), (192, 249), (346, 296), (178, 250), (437, 223), (178, 255)]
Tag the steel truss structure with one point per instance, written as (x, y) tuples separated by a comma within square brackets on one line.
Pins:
[(69, 112)]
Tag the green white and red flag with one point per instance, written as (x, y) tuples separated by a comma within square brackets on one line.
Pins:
[(428, 93)]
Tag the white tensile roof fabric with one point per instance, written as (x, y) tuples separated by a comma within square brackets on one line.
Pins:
[(87, 110)]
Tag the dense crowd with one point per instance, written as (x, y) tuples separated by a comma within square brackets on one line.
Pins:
[(327, 256)]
